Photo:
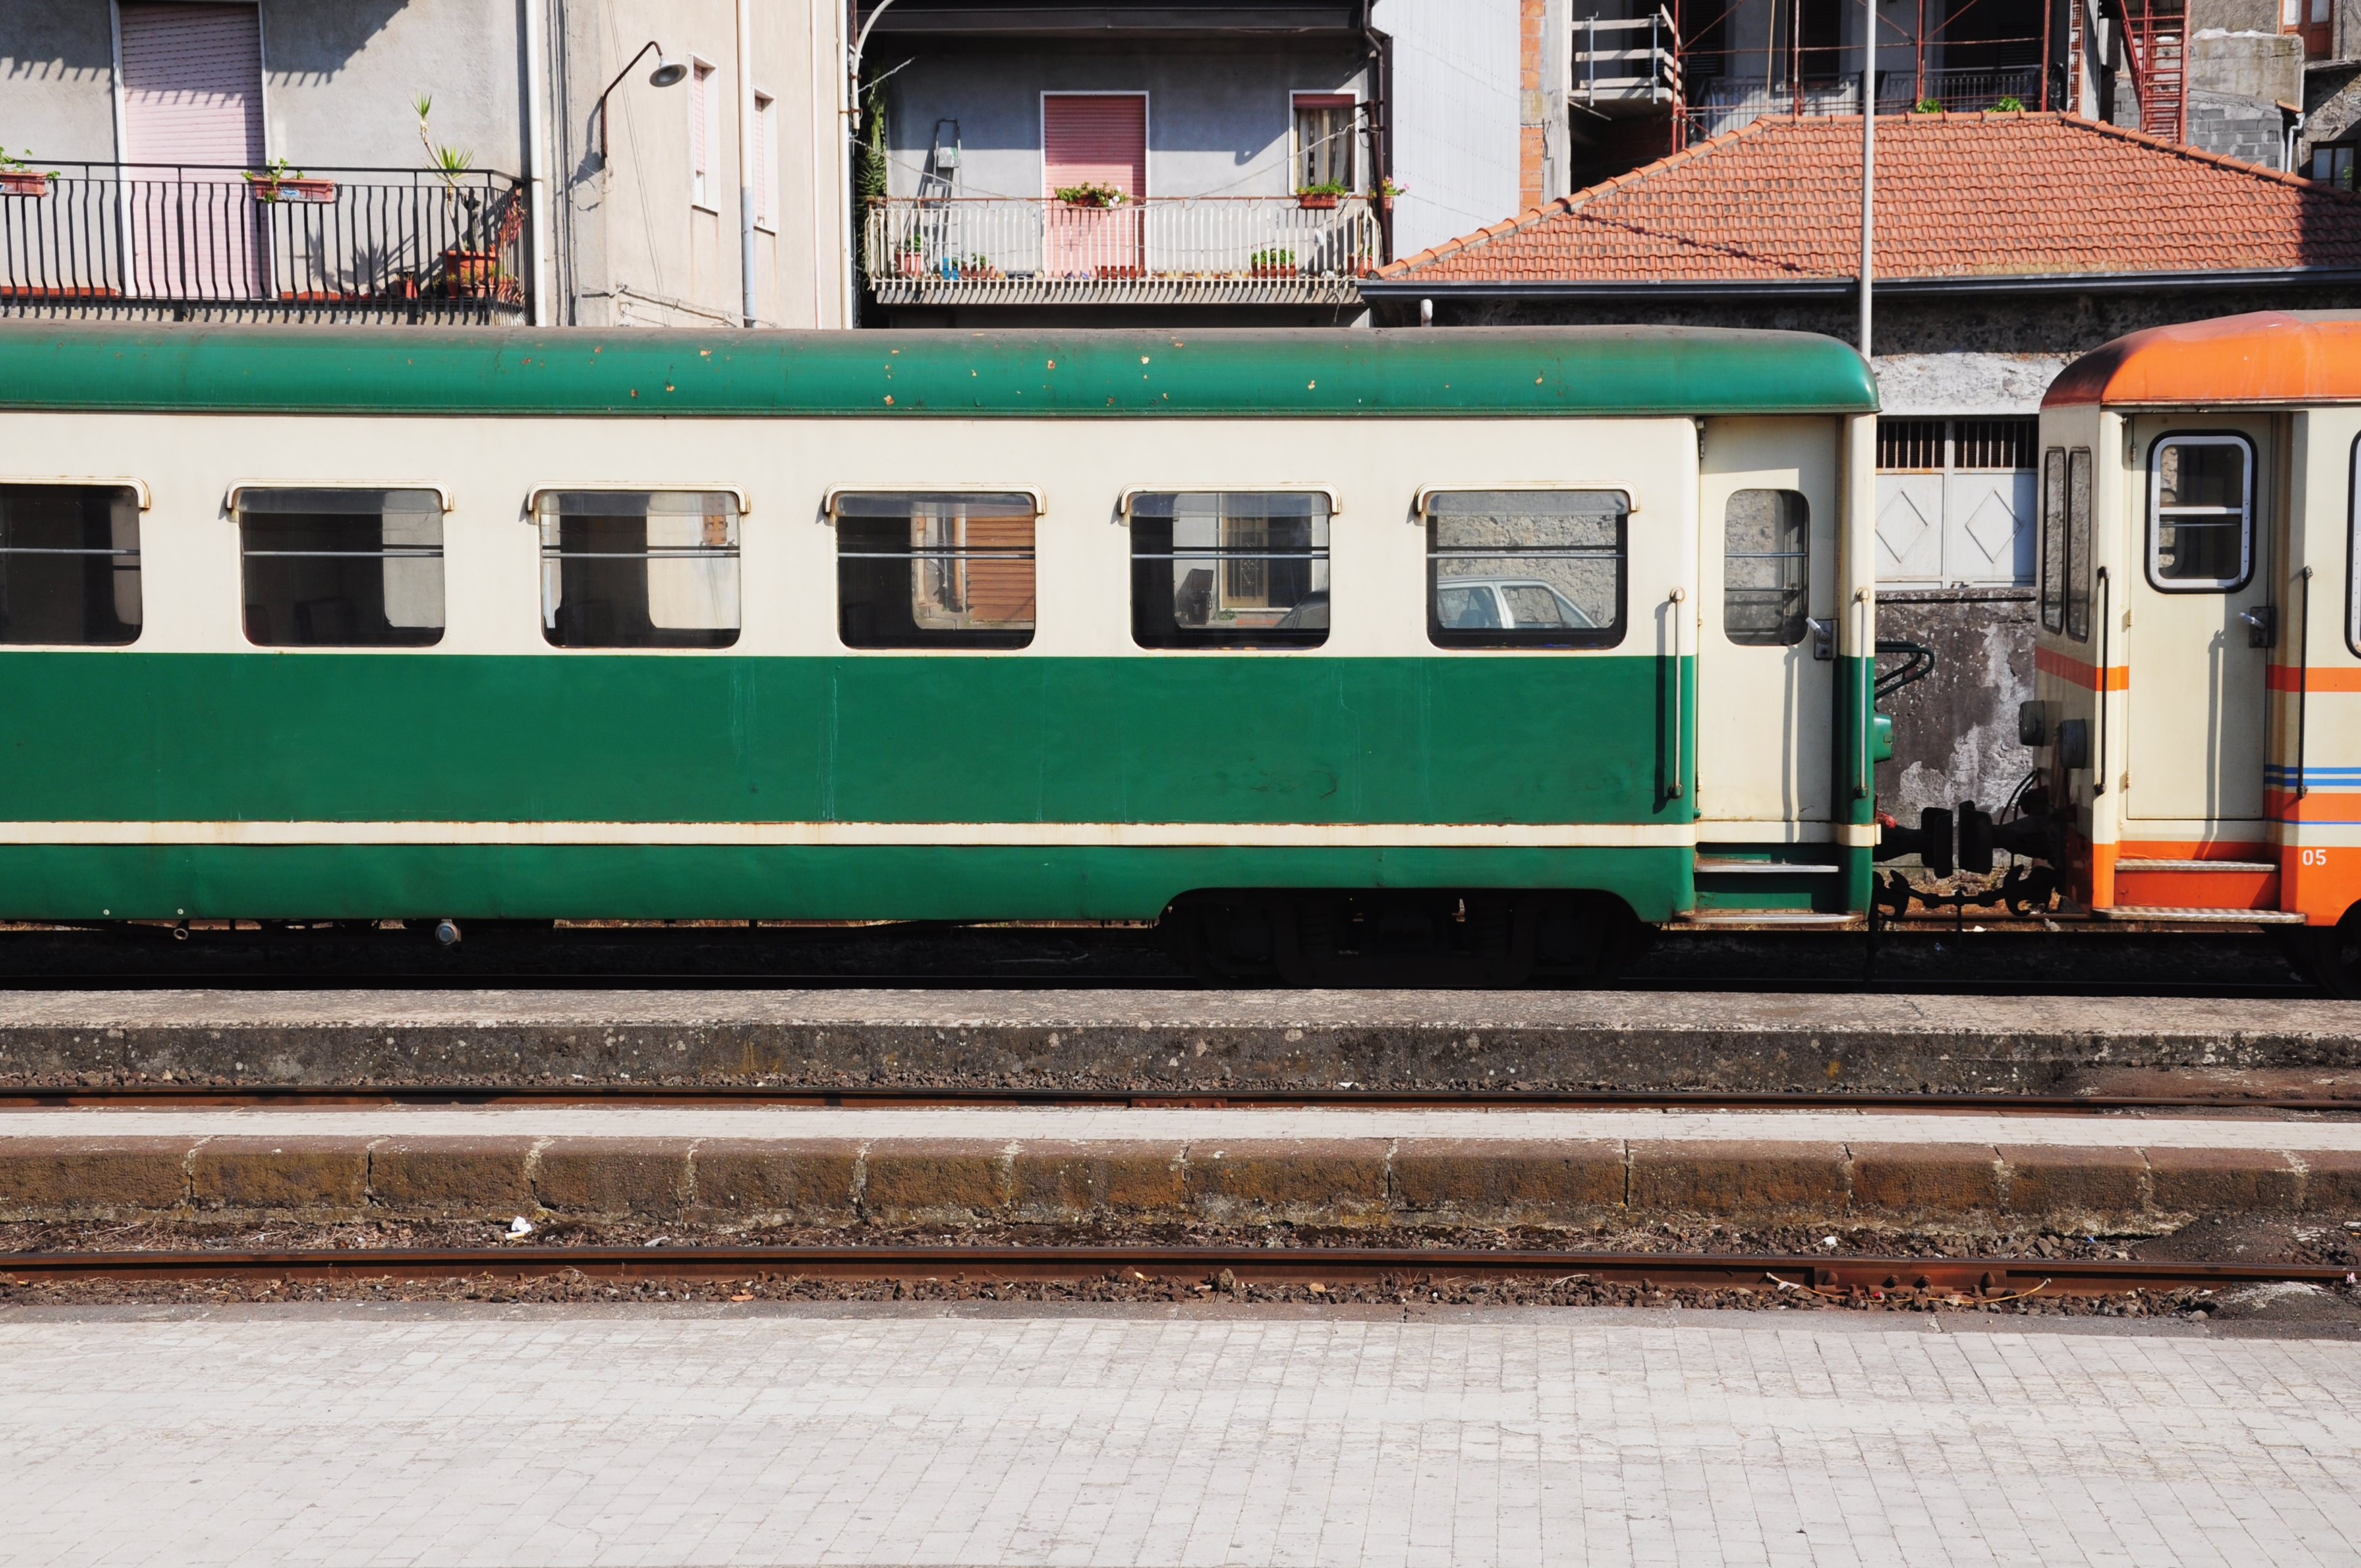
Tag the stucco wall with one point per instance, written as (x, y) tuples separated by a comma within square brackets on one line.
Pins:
[(57, 80), (1219, 115), (1456, 116)]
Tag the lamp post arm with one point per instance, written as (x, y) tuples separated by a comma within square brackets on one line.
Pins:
[(635, 60)]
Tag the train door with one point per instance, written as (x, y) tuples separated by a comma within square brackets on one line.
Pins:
[(2196, 609), (1765, 647)]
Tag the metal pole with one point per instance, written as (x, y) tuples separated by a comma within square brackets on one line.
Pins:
[(1868, 173), (855, 42), (536, 157), (747, 131)]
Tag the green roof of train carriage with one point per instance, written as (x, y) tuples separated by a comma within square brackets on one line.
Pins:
[(1302, 373)]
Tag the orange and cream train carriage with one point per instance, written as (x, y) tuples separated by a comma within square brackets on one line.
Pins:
[(2198, 666)]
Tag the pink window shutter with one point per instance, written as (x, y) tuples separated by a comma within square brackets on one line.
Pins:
[(1095, 139), (191, 92)]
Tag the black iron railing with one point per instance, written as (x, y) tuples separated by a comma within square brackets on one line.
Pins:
[(197, 243)]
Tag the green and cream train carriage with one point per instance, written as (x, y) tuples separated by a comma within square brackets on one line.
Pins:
[(1319, 643)]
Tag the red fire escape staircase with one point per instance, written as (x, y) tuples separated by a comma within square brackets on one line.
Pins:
[(2155, 33)]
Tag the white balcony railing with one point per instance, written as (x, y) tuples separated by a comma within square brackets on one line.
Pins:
[(1632, 61), (1162, 250)]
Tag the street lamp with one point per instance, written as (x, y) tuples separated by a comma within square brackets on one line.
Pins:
[(667, 73)]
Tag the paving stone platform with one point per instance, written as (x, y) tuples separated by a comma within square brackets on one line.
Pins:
[(732, 1166), (1165, 1039), (567, 1439)]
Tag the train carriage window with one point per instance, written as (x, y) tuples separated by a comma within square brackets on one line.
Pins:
[(1526, 568), (2078, 544), (2201, 535), (934, 570), (330, 568), (70, 565), (638, 568), (1229, 569), (2353, 552), (1766, 552), (2053, 539)]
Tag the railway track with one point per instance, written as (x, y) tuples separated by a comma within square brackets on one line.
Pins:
[(915, 1097), (1965, 1279)]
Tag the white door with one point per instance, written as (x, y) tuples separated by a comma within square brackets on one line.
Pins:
[(2199, 567), (1766, 569), (191, 91)]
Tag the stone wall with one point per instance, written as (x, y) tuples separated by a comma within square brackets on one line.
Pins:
[(1955, 731)]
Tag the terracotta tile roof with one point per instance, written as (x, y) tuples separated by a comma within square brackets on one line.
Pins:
[(1958, 197)]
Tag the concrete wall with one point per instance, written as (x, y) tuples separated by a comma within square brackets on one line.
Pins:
[(1454, 116), (2241, 67), (1220, 116)]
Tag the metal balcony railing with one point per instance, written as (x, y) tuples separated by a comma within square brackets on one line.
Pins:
[(1722, 105), (1632, 61), (1161, 250), (186, 242)]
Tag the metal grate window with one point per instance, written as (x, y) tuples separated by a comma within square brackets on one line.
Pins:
[(919, 570), (637, 568), (1526, 568), (1994, 443), (330, 568), (1229, 569), (1906, 446), (70, 565)]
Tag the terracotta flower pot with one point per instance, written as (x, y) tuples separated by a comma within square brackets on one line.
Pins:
[(1320, 200), (23, 183), (471, 274), (313, 192)]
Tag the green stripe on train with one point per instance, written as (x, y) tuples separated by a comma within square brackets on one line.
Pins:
[(144, 881), (1302, 373), (603, 737)]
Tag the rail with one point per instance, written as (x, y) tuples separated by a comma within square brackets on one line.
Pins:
[(1170, 250), (209, 242), (1956, 1281), (890, 1097)]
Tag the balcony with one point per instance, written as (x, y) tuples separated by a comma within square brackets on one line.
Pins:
[(1176, 250), (189, 243), (1719, 106), (1628, 66)]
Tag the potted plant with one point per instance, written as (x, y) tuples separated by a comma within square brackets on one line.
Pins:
[(2011, 104), (1386, 194), (1090, 195), (1272, 264), (281, 183), (1321, 195), (19, 178), (911, 259)]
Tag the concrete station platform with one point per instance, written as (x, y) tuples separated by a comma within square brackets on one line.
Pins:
[(734, 1167), (1191, 1039)]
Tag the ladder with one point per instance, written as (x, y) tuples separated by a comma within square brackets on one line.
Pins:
[(2154, 34)]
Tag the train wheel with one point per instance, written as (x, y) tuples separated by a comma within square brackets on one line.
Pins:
[(2331, 954)]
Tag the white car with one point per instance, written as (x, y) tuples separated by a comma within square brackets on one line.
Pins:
[(1489, 604)]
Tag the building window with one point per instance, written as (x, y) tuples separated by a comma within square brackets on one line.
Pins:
[(766, 161), (70, 565), (1229, 569), (1766, 577), (1525, 568), (1955, 501), (2078, 544), (342, 568), (934, 571), (2201, 535), (638, 569), (700, 133), (2333, 166), (1326, 128), (2053, 539)]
